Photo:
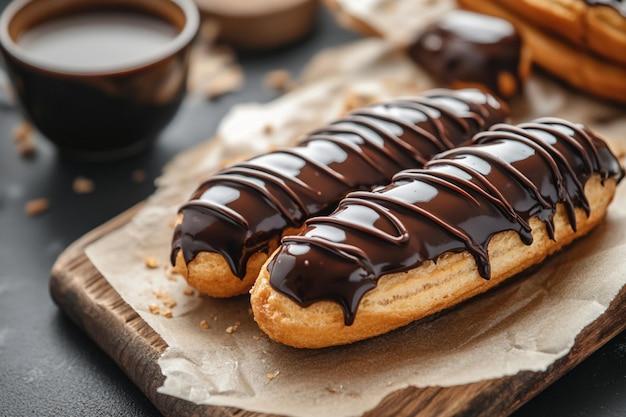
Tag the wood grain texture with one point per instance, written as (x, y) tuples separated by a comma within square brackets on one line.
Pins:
[(88, 299)]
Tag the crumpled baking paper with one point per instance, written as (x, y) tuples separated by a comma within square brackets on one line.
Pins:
[(218, 356)]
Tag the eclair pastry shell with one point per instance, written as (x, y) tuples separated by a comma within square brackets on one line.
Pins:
[(401, 298), (210, 273)]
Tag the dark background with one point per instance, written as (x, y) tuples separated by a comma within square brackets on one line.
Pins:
[(48, 367)]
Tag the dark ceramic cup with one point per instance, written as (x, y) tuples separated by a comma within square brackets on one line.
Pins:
[(107, 110)]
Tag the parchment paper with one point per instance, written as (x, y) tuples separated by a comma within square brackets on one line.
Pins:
[(524, 325)]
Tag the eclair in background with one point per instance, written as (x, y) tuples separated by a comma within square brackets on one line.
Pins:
[(235, 219), (581, 42), (473, 217)]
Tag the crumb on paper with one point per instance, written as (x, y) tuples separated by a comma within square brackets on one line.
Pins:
[(151, 262), (82, 185), (213, 71), (205, 324), (233, 329), (189, 291), (171, 277), (268, 129), (354, 100), (138, 176), (160, 295), (167, 304), (280, 80), (170, 273), (272, 375), (36, 206)]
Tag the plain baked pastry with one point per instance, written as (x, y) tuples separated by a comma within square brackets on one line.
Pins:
[(582, 42), (234, 220), (473, 217)]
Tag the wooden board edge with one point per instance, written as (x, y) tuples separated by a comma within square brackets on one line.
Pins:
[(83, 294), (88, 300)]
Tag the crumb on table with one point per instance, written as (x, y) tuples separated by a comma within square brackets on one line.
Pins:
[(138, 176), (24, 140), (83, 185), (36, 206), (151, 262)]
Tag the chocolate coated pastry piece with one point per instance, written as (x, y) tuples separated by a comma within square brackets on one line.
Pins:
[(473, 217), (235, 219), (463, 49), (582, 42)]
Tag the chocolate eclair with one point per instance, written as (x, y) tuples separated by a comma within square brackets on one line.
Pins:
[(235, 219), (581, 42), (462, 49), (471, 218)]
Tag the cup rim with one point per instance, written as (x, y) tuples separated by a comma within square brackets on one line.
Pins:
[(182, 39)]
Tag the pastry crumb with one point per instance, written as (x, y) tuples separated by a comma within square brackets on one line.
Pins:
[(354, 100), (36, 206), (279, 80), (23, 131), (154, 309), (26, 148), (167, 313), (189, 291), (205, 324), (170, 303), (138, 176), (160, 295), (233, 329), (24, 141), (152, 263), (83, 185), (169, 275), (272, 375)]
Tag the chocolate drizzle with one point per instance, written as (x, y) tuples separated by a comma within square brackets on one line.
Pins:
[(243, 207), (457, 202)]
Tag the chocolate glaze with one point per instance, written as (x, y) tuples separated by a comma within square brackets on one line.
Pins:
[(469, 48), (457, 202), (241, 208), (619, 5)]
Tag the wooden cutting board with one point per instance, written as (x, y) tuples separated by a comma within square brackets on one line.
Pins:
[(88, 299)]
